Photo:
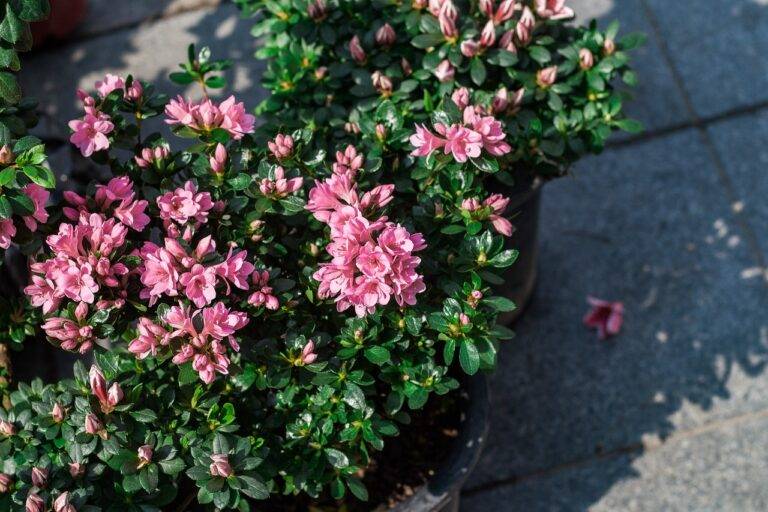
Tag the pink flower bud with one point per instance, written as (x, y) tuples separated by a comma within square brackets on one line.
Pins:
[(218, 160), (506, 41), (461, 97), (609, 47), (546, 77), (505, 11), (406, 66), (445, 71), (486, 7), (476, 294), (114, 395), (447, 26), (220, 466), (39, 477), (524, 27), (308, 355), (282, 146), (5, 483), (320, 73), (488, 35), (57, 413), (463, 319), (351, 127), (61, 504), (145, 455), (7, 428), (76, 470), (449, 9), (317, 10), (6, 155), (356, 50), (381, 132), (469, 48), (381, 83), (134, 92), (386, 36), (93, 425), (586, 59), (98, 384), (34, 503)]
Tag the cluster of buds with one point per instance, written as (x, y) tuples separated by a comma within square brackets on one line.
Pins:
[(356, 50), (382, 83), (220, 466), (281, 147), (279, 187), (385, 36), (152, 157), (503, 103), (317, 10), (108, 399), (352, 128)]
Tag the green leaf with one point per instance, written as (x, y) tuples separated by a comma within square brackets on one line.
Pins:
[(540, 54), (215, 82), (357, 488), (181, 78), (9, 88), (144, 415), (477, 71), (253, 487), (427, 40), (629, 125), (6, 210), (377, 355), (240, 182), (337, 458), (34, 10), (501, 304), (40, 175), (449, 350), (453, 229), (469, 357), (9, 59), (172, 466), (187, 374), (354, 396), (22, 205), (7, 175), (11, 28)]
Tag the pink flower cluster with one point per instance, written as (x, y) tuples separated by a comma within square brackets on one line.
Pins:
[(491, 208), (204, 337), (372, 261), (90, 132), (465, 140), (184, 205), (205, 116), (39, 197), (117, 198), (280, 186)]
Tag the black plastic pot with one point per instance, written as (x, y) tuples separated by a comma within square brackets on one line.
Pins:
[(443, 492), (520, 278)]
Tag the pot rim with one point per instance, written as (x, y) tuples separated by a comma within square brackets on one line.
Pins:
[(450, 477)]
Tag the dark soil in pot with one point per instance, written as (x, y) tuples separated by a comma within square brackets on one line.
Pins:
[(424, 468)]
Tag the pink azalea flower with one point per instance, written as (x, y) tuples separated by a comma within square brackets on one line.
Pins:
[(77, 283), (39, 197), (206, 116), (461, 142), (607, 317), (118, 189), (184, 204), (199, 284), (235, 269), (282, 146), (553, 9), (490, 131), (236, 121), (160, 275), (131, 213), (7, 232), (43, 293), (379, 197), (150, 337), (71, 336), (329, 195), (425, 141), (108, 84), (461, 97), (90, 133)]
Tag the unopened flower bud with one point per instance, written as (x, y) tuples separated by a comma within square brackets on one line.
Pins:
[(506, 41), (586, 59), (93, 425), (114, 395), (447, 27), (5, 483), (469, 48), (488, 35), (546, 77), (381, 132), (218, 160), (463, 319), (317, 10), (500, 101), (320, 73), (524, 27), (461, 97), (609, 47), (449, 9), (406, 66), (220, 466), (308, 355), (6, 155), (39, 477), (386, 36), (486, 7), (351, 127), (7, 428), (282, 146), (356, 50), (61, 504), (445, 71), (34, 503), (382, 83), (145, 455), (505, 11), (134, 92), (98, 384), (76, 469)]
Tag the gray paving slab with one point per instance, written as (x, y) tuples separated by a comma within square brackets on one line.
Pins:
[(150, 52), (721, 470), (657, 100), (649, 225), (719, 48), (105, 15), (741, 142)]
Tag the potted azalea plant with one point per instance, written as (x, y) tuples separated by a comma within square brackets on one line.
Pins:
[(272, 326), (375, 69)]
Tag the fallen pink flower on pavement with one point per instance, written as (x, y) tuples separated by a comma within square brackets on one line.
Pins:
[(607, 317)]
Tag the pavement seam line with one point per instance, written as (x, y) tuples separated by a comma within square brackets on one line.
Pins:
[(644, 447)]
